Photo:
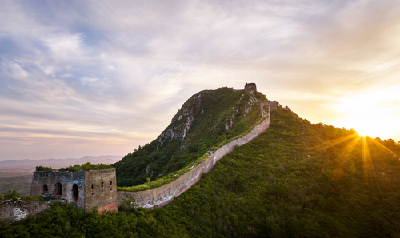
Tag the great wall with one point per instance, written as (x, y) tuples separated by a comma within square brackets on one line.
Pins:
[(83, 188), (166, 193)]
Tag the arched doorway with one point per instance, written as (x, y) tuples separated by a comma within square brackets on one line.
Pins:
[(44, 189), (58, 189), (75, 193)]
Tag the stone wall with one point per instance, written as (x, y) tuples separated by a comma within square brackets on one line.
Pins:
[(54, 179), (273, 105), (13, 210), (166, 193), (85, 189), (110, 207), (101, 190)]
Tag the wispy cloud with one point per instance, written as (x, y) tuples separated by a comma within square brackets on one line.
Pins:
[(77, 71)]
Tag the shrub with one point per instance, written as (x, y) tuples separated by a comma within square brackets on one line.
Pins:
[(73, 168)]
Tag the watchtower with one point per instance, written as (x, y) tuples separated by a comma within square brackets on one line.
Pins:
[(250, 87), (85, 189)]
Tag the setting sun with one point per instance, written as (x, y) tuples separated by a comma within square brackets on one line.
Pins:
[(366, 114)]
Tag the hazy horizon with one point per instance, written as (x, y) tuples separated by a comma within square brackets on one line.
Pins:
[(100, 78), (64, 158)]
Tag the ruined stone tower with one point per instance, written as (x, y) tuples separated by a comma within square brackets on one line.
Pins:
[(85, 189), (250, 87)]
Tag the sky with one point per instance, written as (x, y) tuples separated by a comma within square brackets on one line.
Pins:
[(100, 77)]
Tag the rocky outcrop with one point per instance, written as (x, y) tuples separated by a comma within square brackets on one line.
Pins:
[(182, 121)]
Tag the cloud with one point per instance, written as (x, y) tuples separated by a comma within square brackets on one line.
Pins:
[(64, 45), (129, 66), (87, 80)]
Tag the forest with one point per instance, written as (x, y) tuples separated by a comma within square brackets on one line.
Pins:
[(297, 179)]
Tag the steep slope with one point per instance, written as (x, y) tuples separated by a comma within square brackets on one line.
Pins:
[(206, 120), (295, 180)]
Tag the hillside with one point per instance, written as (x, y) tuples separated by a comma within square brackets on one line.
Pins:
[(295, 180), (207, 119)]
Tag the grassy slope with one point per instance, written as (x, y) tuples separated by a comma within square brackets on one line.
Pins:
[(282, 184), (212, 111)]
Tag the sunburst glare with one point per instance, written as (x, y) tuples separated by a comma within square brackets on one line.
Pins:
[(368, 166), (382, 147), (344, 155), (335, 142), (366, 114)]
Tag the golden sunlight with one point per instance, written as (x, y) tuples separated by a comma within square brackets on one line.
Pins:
[(366, 115), (368, 166), (344, 156)]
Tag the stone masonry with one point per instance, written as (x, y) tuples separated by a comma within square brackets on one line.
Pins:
[(15, 210), (251, 87), (85, 189)]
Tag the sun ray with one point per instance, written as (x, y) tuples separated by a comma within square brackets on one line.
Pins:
[(341, 165), (335, 142), (349, 148), (338, 169), (368, 166), (366, 159), (344, 156), (382, 146)]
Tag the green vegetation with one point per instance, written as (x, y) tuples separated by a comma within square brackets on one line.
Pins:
[(166, 179), (16, 196), (21, 184), (294, 180), (73, 168), (176, 150)]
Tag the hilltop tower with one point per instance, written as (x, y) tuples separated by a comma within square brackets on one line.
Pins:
[(250, 87), (85, 189)]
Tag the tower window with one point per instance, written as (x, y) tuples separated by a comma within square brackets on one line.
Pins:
[(75, 192), (44, 189), (58, 189)]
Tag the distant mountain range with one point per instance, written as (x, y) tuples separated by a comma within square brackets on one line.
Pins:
[(11, 168)]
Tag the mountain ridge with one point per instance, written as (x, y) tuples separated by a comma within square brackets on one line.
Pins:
[(207, 119)]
